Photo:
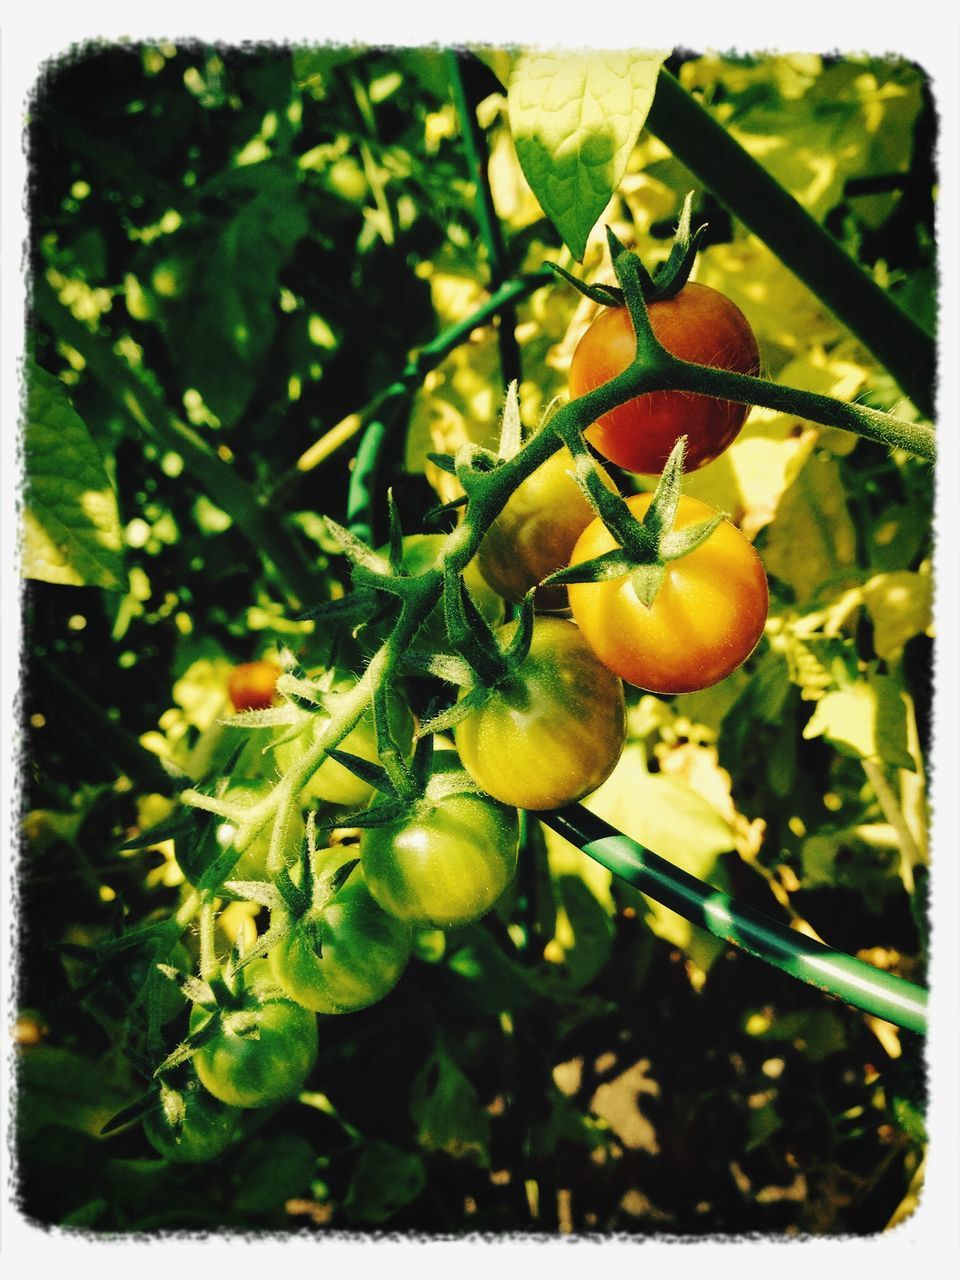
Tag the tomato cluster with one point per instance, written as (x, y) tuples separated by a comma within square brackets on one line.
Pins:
[(542, 727)]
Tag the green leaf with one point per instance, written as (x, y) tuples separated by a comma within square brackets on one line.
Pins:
[(273, 1170), (222, 329), (901, 607), (71, 522), (867, 719), (575, 119), (385, 1179), (59, 1086), (812, 539), (584, 930), (447, 1113)]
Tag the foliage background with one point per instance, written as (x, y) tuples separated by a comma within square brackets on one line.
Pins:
[(250, 243)]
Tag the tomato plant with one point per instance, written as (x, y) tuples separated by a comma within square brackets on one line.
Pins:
[(265, 1048), (346, 955), (697, 324), (190, 1125), (252, 685), (706, 619), (551, 733), (447, 861), (252, 863), (535, 532)]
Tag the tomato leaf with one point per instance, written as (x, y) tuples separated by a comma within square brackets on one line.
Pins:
[(71, 524), (575, 119), (385, 1179), (447, 1113), (867, 719)]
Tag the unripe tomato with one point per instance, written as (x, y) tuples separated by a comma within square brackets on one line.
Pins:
[(333, 783), (270, 1065), (555, 731), (362, 949), (190, 1125), (534, 533), (252, 685), (447, 861), (706, 618), (697, 324)]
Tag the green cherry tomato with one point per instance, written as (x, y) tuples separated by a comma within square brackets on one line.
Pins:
[(535, 532), (333, 783), (190, 1125), (265, 1048), (706, 618), (448, 860), (555, 731), (346, 955), (252, 863)]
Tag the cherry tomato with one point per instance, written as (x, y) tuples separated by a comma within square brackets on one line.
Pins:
[(697, 324), (447, 861), (555, 731), (252, 863), (333, 783), (534, 533), (269, 1063), (190, 1125), (705, 620), (252, 685), (345, 956)]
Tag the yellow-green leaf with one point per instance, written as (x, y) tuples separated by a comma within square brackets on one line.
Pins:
[(575, 119), (901, 607), (867, 719), (812, 540), (71, 532)]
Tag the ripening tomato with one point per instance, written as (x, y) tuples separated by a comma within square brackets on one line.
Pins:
[(265, 1049), (190, 1125), (706, 619), (447, 861), (697, 324), (252, 685), (534, 533), (348, 954), (551, 734), (332, 782)]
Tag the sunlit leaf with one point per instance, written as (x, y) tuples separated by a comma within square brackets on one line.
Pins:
[(71, 522), (866, 719)]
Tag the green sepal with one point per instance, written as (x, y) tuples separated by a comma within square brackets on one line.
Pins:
[(435, 515), (452, 716), (179, 823), (672, 275), (377, 815), (354, 607), (646, 580), (396, 534), (388, 750), (612, 564), (374, 775), (519, 645), (662, 512), (444, 461), (681, 542), (469, 632), (445, 666), (136, 1111), (259, 891), (355, 549), (605, 294), (511, 428), (195, 1041)]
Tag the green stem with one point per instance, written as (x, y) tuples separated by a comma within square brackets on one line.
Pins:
[(750, 193), (916, 437), (487, 217), (262, 528), (860, 984)]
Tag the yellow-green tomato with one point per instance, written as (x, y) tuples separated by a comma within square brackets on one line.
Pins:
[(333, 783), (348, 954), (447, 861), (536, 531), (252, 863), (554, 731), (265, 1048)]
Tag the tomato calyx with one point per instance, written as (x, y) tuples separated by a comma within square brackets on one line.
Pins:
[(646, 546), (667, 279)]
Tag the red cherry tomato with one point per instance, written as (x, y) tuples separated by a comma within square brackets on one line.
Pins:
[(252, 685), (697, 324)]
